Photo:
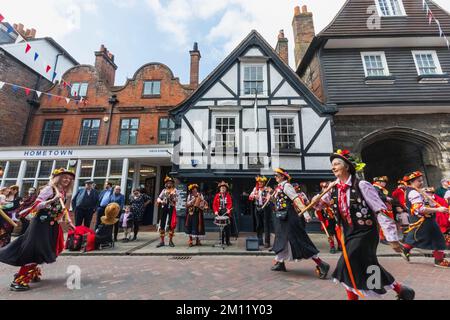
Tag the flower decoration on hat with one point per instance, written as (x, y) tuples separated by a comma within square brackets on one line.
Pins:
[(356, 165), (168, 179), (60, 171), (412, 176), (283, 172), (192, 187), (261, 179)]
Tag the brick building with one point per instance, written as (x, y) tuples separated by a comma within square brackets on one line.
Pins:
[(387, 70), (16, 108), (121, 134)]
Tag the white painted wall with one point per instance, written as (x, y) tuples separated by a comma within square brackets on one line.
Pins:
[(47, 56)]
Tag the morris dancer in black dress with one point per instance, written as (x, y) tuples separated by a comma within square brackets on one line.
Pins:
[(43, 241), (357, 207), (291, 240)]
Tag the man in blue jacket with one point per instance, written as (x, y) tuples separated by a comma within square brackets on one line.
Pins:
[(104, 200), (84, 204), (119, 198)]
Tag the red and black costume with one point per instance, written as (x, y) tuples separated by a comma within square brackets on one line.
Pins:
[(168, 218), (195, 226), (263, 211), (383, 193), (42, 242), (222, 205)]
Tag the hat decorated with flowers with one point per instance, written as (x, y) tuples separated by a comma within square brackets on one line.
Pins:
[(168, 179), (261, 179), (354, 163), (60, 171), (193, 186), (413, 175), (381, 179), (283, 173), (223, 184)]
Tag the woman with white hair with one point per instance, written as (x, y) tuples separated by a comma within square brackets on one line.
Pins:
[(43, 241), (357, 208)]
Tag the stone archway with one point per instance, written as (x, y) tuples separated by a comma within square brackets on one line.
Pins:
[(396, 151)]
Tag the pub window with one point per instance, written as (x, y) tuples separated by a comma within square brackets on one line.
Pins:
[(427, 62), (284, 133), (225, 133), (128, 131), (390, 8), (51, 132), (152, 88), (166, 128), (89, 132), (253, 79), (375, 64)]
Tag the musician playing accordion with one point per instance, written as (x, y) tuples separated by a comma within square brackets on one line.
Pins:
[(194, 225), (222, 206), (167, 200)]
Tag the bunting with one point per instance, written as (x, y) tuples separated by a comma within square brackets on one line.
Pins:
[(27, 91), (431, 17)]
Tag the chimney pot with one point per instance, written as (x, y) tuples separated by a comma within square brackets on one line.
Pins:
[(304, 9), (282, 47), (296, 11)]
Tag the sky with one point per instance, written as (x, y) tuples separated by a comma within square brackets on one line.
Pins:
[(138, 32)]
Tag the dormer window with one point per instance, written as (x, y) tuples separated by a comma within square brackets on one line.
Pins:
[(390, 8), (427, 62), (253, 79)]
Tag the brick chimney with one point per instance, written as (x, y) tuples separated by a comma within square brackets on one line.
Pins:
[(304, 33), (26, 34), (282, 47), (106, 68), (195, 66)]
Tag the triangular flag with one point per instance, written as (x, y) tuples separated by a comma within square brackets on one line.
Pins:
[(10, 29), (36, 56), (38, 93), (48, 68), (58, 98), (1, 18), (67, 100), (49, 96), (1, 84), (74, 93), (15, 88), (77, 101), (28, 48), (54, 76), (27, 91)]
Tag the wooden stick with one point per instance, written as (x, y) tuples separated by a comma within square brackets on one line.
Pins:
[(7, 218), (325, 229), (313, 203)]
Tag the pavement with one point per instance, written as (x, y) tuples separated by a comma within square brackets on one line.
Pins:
[(208, 278)]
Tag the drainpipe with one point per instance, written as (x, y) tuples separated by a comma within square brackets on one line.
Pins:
[(113, 102)]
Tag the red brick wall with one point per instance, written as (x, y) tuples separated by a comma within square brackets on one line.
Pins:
[(131, 105), (14, 108)]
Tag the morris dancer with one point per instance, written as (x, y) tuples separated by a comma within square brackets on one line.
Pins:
[(168, 220), (380, 185), (223, 205), (357, 207), (195, 225), (291, 240), (43, 240), (424, 232), (326, 217), (263, 215)]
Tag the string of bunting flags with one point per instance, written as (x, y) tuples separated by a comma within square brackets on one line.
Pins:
[(16, 87), (431, 17), (37, 58)]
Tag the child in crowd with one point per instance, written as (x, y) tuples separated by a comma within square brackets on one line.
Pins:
[(126, 222)]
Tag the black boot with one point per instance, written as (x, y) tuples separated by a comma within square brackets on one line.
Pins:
[(171, 244), (405, 253), (406, 293), (161, 244), (322, 270), (279, 266), (20, 283)]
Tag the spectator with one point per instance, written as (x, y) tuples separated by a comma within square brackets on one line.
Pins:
[(138, 202), (27, 202), (12, 203), (104, 200), (84, 204), (119, 198), (443, 188)]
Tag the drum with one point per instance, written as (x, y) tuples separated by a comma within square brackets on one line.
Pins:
[(222, 221)]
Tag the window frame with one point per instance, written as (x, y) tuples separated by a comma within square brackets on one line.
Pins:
[(43, 132), (236, 131), (151, 95), (129, 130), (287, 115), (264, 78), (90, 130), (435, 60), (382, 54), (79, 86), (169, 130), (389, 8)]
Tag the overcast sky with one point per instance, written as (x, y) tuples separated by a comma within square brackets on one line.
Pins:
[(142, 31)]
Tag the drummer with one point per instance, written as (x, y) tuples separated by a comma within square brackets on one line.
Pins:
[(195, 205), (222, 206)]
